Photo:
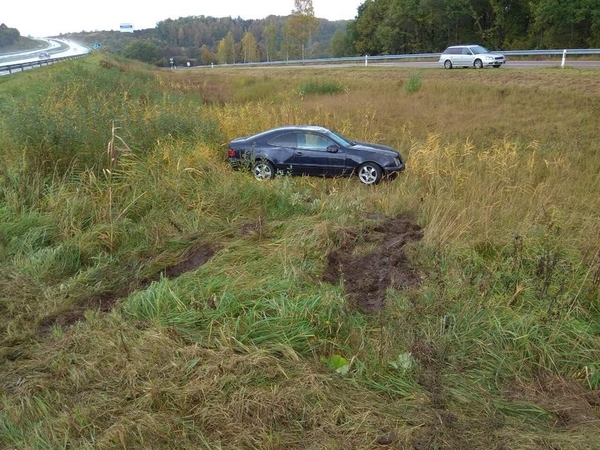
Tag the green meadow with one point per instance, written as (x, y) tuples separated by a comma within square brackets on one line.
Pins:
[(152, 298)]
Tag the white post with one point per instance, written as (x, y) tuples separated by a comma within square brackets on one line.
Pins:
[(366, 60), (564, 58)]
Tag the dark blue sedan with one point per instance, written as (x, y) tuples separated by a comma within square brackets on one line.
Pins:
[(312, 150)]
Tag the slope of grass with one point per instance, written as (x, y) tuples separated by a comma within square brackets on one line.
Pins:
[(112, 174)]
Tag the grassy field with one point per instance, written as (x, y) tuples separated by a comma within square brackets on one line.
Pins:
[(152, 298)]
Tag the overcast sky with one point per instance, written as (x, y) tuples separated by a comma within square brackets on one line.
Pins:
[(40, 18)]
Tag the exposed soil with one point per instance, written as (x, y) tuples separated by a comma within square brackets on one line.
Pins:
[(367, 274), (106, 301), (194, 259), (567, 400)]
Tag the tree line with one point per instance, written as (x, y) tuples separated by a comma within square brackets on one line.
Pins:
[(380, 27), (8, 36), (414, 26), (204, 40)]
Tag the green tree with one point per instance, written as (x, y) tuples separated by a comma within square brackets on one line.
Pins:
[(250, 51), (302, 24), (371, 15), (270, 37), (142, 50), (340, 44), (288, 48), (8, 36), (226, 50), (565, 24)]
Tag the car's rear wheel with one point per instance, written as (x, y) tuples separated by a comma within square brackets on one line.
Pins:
[(478, 64), (448, 64), (263, 170), (370, 173)]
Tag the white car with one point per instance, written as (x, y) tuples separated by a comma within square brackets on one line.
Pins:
[(470, 56)]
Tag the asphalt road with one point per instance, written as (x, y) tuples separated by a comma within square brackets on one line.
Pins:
[(70, 48)]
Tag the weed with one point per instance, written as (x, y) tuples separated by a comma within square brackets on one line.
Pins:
[(320, 87), (414, 84)]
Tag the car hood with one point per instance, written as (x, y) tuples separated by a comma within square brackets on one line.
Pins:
[(374, 148)]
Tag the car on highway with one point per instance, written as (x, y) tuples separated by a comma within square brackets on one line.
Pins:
[(470, 56), (43, 55), (312, 150)]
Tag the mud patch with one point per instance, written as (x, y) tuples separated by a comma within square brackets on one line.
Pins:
[(378, 263), (192, 260), (569, 402)]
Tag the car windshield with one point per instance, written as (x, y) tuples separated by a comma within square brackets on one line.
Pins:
[(478, 50), (340, 139)]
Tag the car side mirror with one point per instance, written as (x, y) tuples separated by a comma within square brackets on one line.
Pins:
[(333, 148)]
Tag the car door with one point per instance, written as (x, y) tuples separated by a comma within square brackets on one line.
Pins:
[(316, 154), (467, 57), (280, 151)]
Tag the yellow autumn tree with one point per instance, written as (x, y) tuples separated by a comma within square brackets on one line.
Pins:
[(303, 24)]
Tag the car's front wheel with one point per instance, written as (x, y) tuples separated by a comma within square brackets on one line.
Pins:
[(263, 170), (478, 64), (448, 64), (496, 66), (369, 173)]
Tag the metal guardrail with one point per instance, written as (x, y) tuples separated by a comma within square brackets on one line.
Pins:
[(572, 51), (10, 68), (366, 59), (19, 67)]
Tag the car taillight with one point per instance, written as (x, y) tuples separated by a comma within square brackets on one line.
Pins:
[(231, 153)]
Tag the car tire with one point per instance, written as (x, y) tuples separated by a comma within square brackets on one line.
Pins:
[(478, 64), (370, 173), (447, 64), (263, 170), (496, 66)]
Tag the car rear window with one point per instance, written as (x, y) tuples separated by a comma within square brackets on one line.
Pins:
[(453, 51)]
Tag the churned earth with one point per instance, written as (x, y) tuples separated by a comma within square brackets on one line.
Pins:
[(368, 266)]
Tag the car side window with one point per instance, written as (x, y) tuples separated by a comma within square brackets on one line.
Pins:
[(305, 141), (466, 51), (314, 142), (285, 140)]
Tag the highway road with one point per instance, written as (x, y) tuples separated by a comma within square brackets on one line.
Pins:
[(63, 48), (57, 48)]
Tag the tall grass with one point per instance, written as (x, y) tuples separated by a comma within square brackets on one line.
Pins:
[(113, 173), (67, 121)]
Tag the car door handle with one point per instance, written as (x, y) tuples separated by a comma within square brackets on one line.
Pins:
[(299, 153)]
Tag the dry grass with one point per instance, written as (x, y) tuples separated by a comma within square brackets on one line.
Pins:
[(502, 175)]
